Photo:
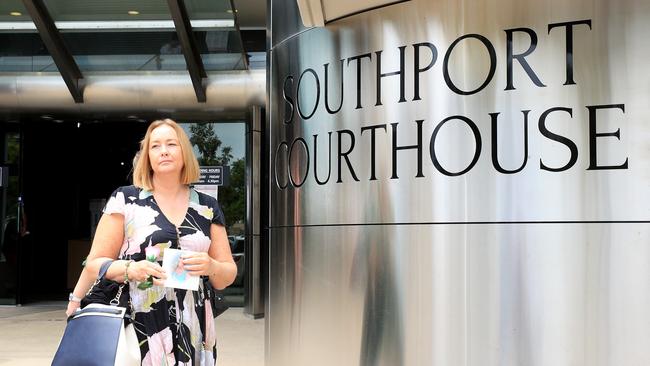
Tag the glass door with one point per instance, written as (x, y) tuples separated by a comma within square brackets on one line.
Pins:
[(13, 225)]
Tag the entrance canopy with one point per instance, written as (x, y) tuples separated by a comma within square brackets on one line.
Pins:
[(145, 55)]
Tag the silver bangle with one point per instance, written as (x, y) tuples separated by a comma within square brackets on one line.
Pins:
[(73, 298)]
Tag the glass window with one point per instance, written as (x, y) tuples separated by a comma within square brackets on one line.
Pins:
[(224, 144), (120, 35), (23, 52), (128, 35), (220, 49), (126, 51)]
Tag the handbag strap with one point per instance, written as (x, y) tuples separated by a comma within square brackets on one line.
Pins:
[(102, 273), (104, 268)]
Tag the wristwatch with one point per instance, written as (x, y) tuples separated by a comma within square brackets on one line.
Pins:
[(73, 298)]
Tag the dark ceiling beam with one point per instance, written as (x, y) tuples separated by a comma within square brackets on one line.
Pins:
[(244, 55), (190, 49), (55, 45)]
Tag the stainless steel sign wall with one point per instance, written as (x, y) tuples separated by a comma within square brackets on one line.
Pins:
[(512, 105), (461, 183)]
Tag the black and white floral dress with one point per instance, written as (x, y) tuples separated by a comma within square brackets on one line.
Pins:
[(174, 326)]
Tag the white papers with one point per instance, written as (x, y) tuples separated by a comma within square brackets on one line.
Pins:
[(177, 277)]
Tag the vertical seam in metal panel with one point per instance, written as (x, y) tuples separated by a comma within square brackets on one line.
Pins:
[(466, 336)]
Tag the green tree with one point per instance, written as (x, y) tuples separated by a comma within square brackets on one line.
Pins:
[(233, 196), (208, 143), (226, 156)]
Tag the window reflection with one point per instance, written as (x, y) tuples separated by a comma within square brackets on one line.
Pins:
[(223, 144), (120, 51)]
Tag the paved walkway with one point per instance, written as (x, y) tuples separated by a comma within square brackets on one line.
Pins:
[(29, 336)]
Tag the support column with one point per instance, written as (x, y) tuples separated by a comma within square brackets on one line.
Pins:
[(253, 292)]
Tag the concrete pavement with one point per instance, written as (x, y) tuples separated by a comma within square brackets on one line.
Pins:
[(29, 336)]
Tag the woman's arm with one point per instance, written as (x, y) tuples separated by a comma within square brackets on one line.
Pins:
[(81, 288), (106, 245), (224, 269)]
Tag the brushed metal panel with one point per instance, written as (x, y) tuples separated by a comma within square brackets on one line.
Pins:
[(254, 302), (285, 20), (479, 295), (531, 268), (609, 69)]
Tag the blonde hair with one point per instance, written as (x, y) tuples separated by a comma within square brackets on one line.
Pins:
[(143, 173)]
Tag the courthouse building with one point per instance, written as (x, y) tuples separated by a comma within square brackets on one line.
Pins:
[(425, 182)]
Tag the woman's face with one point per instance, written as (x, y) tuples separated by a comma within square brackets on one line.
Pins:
[(165, 155)]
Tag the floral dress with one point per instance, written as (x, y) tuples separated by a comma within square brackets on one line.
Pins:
[(174, 326)]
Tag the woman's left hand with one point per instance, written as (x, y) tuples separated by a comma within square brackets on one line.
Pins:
[(72, 307), (198, 264)]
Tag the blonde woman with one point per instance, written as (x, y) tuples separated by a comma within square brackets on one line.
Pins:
[(160, 211)]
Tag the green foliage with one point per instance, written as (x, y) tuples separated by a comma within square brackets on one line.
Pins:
[(203, 137), (233, 197)]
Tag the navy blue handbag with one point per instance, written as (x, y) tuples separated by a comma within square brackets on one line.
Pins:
[(96, 335)]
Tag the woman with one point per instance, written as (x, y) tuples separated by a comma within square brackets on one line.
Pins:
[(161, 211)]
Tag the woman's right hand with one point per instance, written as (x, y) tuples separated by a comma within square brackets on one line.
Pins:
[(141, 270)]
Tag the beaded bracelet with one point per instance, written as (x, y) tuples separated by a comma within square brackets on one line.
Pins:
[(126, 271)]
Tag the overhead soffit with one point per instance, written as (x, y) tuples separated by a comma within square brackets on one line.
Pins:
[(120, 35), (251, 13), (102, 36), (125, 36), (316, 13)]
